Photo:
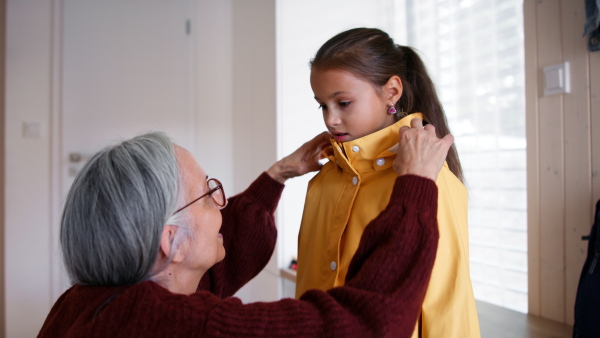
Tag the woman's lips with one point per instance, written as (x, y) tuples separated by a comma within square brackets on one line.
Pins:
[(340, 137)]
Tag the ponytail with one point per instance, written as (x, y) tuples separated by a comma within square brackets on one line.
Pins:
[(419, 96)]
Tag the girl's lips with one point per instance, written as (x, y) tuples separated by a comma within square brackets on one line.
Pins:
[(340, 137)]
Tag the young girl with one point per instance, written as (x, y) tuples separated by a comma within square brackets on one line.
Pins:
[(368, 88)]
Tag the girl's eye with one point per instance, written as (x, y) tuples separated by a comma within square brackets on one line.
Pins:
[(322, 107), (344, 103)]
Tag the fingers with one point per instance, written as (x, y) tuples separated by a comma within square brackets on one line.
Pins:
[(416, 127), (313, 166), (416, 123), (314, 147), (420, 151), (448, 140), (322, 138), (305, 159)]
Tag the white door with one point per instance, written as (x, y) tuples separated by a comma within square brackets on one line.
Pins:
[(125, 67)]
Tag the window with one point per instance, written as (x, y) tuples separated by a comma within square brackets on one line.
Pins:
[(476, 57)]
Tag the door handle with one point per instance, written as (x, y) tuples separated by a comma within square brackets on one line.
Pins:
[(75, 157), (76, 161)]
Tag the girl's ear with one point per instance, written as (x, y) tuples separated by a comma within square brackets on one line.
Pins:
[(166, 244), (392, 90)]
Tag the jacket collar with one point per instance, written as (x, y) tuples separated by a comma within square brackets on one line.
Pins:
[(375, 151)]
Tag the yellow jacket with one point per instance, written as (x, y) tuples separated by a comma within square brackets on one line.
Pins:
[(348, 192)]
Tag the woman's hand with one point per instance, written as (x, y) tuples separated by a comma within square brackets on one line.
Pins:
[(305, 159), (420, 151)]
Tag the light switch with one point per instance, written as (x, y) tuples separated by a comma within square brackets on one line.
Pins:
[(556, 79), (32, 130)]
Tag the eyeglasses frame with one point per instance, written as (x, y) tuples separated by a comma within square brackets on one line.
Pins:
[(209, 193)]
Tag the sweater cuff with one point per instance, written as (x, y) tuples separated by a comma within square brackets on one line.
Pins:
[(266, 191), (415, 190)]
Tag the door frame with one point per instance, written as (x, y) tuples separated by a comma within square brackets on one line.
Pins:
[(2, 156)]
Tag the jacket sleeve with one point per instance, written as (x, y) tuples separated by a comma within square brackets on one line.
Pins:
[(385, 286), (249, 237)]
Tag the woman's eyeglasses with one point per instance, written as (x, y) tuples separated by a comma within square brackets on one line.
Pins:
[(215, 191)]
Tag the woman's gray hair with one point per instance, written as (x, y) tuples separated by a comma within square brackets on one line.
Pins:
[(116, 210)]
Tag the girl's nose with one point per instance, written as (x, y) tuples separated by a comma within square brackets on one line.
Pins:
[(332, 119)]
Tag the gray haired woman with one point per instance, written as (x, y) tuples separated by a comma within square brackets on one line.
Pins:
[(145, 231)]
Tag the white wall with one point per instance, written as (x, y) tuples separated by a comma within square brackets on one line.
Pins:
[(214, 97), (254, 109), (29, 256)]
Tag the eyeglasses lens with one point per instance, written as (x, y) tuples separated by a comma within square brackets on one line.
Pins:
[(218, 196)]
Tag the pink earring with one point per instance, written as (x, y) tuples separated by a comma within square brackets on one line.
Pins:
[(392, 110)]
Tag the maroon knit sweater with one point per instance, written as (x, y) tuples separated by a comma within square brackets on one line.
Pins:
[(385, 285)]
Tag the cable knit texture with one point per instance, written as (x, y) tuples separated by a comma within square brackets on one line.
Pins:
[(384, 289)]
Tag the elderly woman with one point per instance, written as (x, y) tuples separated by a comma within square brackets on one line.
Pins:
[(145, 231)]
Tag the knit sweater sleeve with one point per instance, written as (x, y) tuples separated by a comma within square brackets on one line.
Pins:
[(385, 285), (249, 237)]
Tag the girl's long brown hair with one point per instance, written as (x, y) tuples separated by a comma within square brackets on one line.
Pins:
[(372, 55)]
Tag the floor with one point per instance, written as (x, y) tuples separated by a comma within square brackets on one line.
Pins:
[(499, 322)]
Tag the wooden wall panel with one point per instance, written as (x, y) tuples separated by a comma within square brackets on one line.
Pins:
[(578, 177), (254, 113), (533, 163), (563, 164), (551, 173)]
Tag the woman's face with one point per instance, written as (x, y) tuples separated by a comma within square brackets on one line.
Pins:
[(205, 247), (351, 106)]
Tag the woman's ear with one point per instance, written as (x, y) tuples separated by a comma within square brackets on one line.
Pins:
[(392, 90), (166, 243)]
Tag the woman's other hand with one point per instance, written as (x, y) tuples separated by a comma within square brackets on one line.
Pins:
[(420, 151), (305, 159)]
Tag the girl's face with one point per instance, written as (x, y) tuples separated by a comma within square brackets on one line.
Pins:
[(352, 108)]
